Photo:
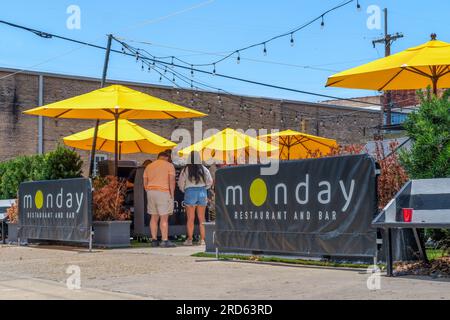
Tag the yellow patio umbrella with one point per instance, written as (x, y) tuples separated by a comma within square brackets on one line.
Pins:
[(114, 102), (298, 145), (132, 139), (415, 68), (229, 141)]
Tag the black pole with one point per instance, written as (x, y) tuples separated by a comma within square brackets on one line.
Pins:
[(105, 72), (116, 145)]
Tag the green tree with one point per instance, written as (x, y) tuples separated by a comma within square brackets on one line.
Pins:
[(429, 157), (429, 129)]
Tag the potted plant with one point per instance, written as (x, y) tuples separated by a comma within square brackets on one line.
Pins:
[(111, 221), (13, 222)]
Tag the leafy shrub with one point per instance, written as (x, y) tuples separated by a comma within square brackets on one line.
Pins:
[(429, 129), (59, 164), (108, 198), (62, 163), (429, 157), (393, 175), (13, 213), (18, 170)]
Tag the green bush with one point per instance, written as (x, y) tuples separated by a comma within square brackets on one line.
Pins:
[(429, 129), (429, 157), (62, 163), (59, 164), (18, 170)]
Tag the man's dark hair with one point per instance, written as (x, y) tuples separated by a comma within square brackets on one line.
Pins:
[(163, 155)]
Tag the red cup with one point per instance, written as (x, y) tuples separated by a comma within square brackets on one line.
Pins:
[(407, 214)]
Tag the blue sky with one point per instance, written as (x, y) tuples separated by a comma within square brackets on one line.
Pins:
[(186, 27)]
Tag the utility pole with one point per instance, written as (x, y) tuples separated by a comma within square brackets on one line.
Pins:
[(387, 40), (105, 72)]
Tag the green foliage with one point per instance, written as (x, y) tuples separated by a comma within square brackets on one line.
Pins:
[(429, 157), (429, 128), (18, 170), (59, 164), (62, 163)]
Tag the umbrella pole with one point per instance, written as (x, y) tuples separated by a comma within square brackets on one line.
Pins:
[(105, 70), (94, 148), (116, 144)]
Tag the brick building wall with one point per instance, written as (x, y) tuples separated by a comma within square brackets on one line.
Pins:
[(19, 132)]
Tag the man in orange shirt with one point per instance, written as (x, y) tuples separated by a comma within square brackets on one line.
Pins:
[(159, 182)]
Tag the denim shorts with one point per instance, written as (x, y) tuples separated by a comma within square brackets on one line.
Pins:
[(196, 196)]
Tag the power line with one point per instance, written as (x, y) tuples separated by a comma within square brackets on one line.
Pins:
[(140, 54), (155, 60)]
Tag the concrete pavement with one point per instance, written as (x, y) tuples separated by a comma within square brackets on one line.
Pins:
[(156, 273)]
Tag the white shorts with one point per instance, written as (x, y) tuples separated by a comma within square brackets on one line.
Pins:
[(159, 203)]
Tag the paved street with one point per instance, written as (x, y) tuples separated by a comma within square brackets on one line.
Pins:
[(40, 273)]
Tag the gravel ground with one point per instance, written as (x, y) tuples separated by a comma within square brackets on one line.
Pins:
[(156, 273)]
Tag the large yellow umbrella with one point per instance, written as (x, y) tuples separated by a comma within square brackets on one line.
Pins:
[(132, 139), (298, 145), (114, 102), (415, 68), (228, 142)]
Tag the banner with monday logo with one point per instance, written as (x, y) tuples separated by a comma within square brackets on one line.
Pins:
[(314, 207), (56, 210)]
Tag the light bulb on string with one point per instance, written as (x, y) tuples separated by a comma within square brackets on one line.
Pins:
[(173, 79), (358, 6), (192, 70), (142, 66), (265, 49), (137, 56), (160, 78), (165, 70), (214, 70), (292, 40), (322, 23), (238, 59), (149, 69), (172, 60)]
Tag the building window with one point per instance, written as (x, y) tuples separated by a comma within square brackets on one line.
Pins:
[(396, 117), (98, 158)]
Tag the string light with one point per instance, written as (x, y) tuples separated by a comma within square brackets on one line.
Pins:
[(192, 70), (160, 78), (238, 59), (265, 49), (214, 70), (358, 6), (292, 39), (322, 24)]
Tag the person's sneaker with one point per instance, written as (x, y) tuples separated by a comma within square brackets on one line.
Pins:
[(167, 244), (202, 243), (155, 243), (188, 243)]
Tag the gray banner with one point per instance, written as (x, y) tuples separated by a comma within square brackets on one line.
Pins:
[(56, 210), (313, 207)]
